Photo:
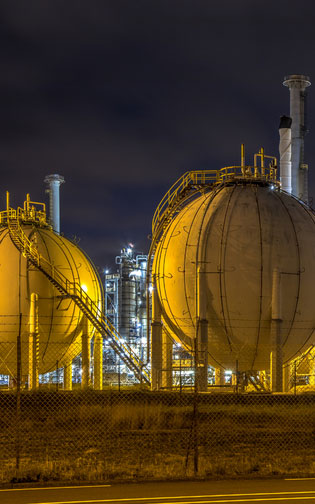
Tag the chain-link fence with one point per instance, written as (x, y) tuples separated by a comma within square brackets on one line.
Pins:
[(58, 428), (105, 435)]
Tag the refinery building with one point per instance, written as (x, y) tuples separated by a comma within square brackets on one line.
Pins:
[(222, 300)]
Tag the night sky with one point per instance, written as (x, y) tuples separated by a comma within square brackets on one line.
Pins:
[(122, 97)]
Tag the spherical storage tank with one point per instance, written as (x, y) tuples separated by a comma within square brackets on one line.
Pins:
[(60, 319), (237, 234)]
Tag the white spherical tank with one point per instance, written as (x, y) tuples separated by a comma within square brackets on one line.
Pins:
[(237, 235), (60, 319)]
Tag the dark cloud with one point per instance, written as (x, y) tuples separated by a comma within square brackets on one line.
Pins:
[(122, 97)]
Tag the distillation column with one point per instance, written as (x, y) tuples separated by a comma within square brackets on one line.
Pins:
[(297, 85), (54, 182)]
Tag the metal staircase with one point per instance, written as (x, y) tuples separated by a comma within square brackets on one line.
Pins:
[(74, 291)]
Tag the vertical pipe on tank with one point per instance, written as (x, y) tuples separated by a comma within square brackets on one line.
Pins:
[(86, 354), (202, 333), (33, 347), (285, 153), (54, 182), (98, 362), (156, 340), (297, 85), (275, 335), (67, 376)]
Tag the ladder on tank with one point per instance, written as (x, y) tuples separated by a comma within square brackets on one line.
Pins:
[(87, 306)]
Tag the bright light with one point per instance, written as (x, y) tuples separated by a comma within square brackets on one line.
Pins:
[(106, 272), (129, 251), (272, 187), (151, 289), (136, 273), (84, 287)]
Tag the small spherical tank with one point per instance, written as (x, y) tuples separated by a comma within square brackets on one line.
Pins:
[(60, 319), (236, 236)]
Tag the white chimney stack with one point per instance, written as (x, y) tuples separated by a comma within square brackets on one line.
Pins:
[(54, 181), (285, 153), (297, 85)]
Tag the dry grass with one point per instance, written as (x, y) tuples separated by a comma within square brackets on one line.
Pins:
[(103, 436)]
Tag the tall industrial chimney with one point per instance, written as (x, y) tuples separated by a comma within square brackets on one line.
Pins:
[(54, 181), (297, 85), (285, 153)]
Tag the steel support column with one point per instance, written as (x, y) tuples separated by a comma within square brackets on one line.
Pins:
[(202, 334), (33, 347), (202, 360), (86, 354), (167, 360), (275, 335), (98, 362), (156, 341), (219, 377), (67, 376)]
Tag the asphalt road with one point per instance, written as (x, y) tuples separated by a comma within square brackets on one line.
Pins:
[(240, 491)]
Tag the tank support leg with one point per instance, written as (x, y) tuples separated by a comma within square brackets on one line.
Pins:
[(202, 357), (286, 377), (201, 350), (67, 376), (167, 360), (311, 370), (86, 354), (33, 347), (156, 355), (275, 336), (219, 377), (156, 341), (98, 362)]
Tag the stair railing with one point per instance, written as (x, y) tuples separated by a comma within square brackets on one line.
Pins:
[(79, 296)]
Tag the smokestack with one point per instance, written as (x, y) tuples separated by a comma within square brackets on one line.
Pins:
[(54, 181), (297, 85), (285, 153)]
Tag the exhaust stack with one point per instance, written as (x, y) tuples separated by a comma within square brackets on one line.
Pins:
[(297, 85), (54, 182), (285, 153)]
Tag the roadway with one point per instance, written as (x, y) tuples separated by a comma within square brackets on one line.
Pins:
[(185, 492)]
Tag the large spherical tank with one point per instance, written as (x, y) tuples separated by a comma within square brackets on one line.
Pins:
[(238, 235), (60, 320)]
